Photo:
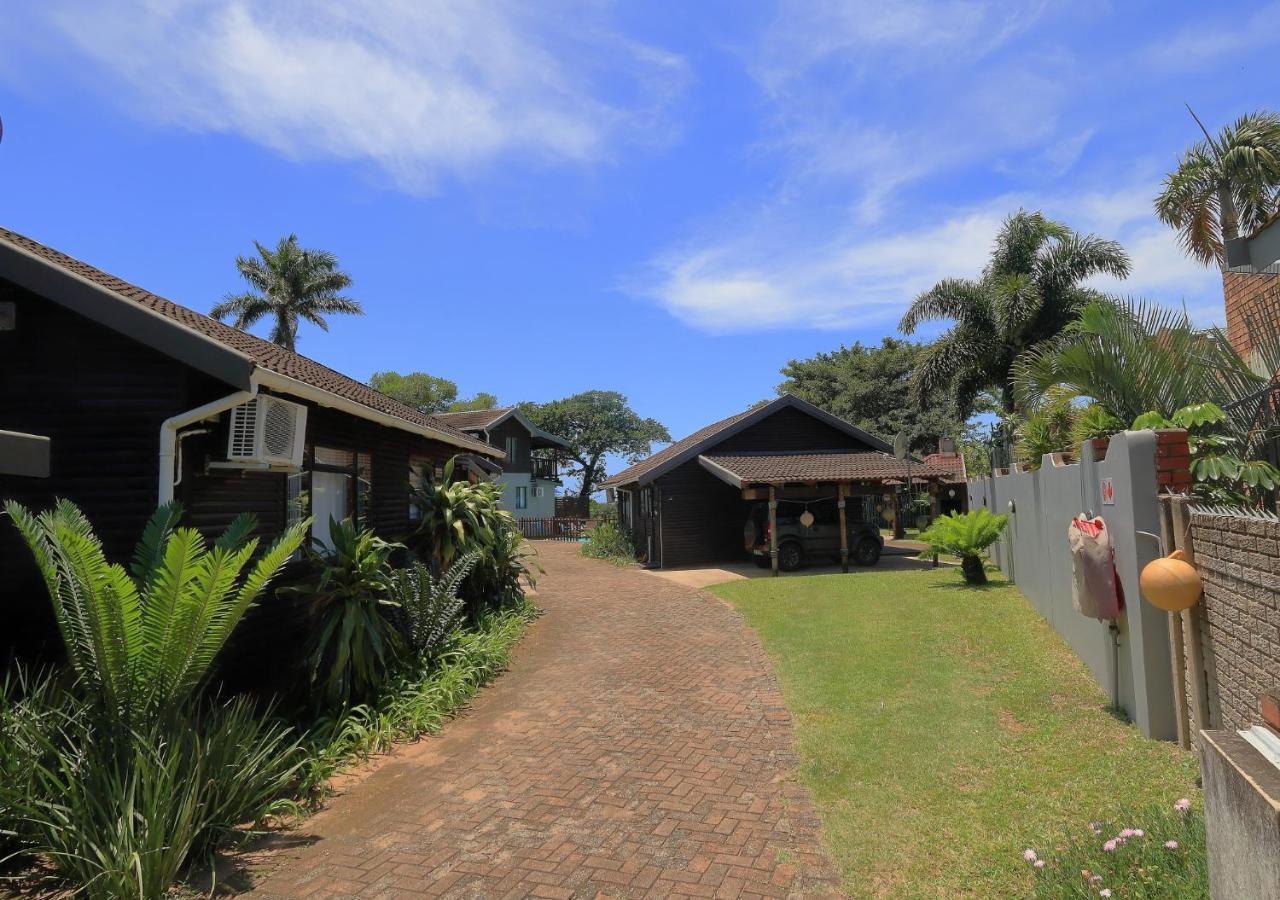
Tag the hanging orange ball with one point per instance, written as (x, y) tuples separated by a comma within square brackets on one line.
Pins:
[(1171, 583)]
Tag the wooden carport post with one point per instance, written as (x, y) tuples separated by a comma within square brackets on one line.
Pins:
[(773, 529), (844, 529)]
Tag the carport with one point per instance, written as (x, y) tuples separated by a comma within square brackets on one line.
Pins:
[(808, 476)]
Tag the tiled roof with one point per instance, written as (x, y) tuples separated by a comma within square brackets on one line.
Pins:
[(781, 468), (650, 463), (465, 420), (261, 353)]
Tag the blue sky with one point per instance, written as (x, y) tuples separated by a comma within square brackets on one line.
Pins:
[(670, 200)]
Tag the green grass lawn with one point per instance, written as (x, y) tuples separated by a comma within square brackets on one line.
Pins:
[(943, 729)]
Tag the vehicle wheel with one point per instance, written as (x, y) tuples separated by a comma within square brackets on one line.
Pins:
[(866, 552), (790, 556)]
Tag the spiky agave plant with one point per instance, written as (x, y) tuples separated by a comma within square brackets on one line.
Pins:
[(142, 640), (430, 606), (966, 535)]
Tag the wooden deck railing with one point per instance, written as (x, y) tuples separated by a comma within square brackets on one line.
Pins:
[(556, 529)]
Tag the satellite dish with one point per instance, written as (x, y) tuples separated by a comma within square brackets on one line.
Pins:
[(900, 445)]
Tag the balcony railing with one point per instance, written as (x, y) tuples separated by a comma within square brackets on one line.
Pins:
[(545, 468)]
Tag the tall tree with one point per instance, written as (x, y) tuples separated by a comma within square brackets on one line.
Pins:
[(428, 393), (1030, 290), (871, 387), (596, 424), (288, 283), (1224, 185)]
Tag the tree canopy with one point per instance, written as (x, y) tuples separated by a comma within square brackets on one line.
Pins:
[(596, 424), (1031, 289), (428, 393), (1223, 186), (871, 387), (289, 283)]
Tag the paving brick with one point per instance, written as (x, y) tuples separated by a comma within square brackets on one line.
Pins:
[(638, 747)]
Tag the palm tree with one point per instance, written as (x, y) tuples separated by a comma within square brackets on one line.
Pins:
[(288, 283), (1224, 185), (1029, 292)]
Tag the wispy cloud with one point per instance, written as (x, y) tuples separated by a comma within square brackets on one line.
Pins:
[(768, 275), (1221, 35), (420, 89)]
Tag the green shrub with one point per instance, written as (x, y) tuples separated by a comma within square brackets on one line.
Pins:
[(1156, 853), (1095, 422), (356, 643), (123, 816), (610, 541), (430, 607), (141, 642), (967, 536), (461, 517)]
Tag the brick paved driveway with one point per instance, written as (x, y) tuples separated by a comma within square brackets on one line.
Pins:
[(637, 747)]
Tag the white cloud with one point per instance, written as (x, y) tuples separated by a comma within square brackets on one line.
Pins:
[(1222, 36), (418, 88), (769, 273)]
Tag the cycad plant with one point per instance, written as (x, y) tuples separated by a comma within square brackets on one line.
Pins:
[(142, 641), (966, 535), (430, 606), (356, 643)]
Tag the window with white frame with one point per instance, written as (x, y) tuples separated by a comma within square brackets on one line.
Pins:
[(512, 445), (522, 497)]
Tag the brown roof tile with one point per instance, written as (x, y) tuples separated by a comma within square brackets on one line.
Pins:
[(262, 353), (781, 468), (675, 449), (474, 418)]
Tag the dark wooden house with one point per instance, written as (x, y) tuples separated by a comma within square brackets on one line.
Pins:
[(119, 400), (687, 503)]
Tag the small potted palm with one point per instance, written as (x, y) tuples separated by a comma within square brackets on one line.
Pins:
[(966, 535)]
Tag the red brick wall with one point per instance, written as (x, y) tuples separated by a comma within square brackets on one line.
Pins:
[(1249, 296), (1173, 461)]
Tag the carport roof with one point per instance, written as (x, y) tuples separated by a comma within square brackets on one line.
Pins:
[(834, 466)]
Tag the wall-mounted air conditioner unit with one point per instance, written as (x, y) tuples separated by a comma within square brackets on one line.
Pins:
[(537, 491), (267, 431)]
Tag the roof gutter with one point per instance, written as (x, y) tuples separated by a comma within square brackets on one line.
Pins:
[(283, 383)]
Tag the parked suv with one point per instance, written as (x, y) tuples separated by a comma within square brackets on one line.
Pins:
[(821, 540)]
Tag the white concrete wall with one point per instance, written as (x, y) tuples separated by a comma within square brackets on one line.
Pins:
[(1034, 554)]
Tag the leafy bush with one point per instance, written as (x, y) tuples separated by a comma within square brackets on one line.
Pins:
[(1095, 421), (356, 642), (141, 642), (461, 517), (1046, 428), (1222, 475), (1158, 853), (609, 541), (430, 607), (124, 817), (967, 536)]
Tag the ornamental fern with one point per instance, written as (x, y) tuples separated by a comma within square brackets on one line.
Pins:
[(141, 641)]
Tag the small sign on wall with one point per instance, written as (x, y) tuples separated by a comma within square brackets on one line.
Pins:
[(1108, 489)]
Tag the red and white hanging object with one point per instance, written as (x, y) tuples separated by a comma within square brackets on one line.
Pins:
[(1096, 591)]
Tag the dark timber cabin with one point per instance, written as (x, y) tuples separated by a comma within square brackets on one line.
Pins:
[(687, 503), (118, 400)]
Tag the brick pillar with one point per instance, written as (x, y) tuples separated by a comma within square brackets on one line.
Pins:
[(1173, 461), (1249, 297)]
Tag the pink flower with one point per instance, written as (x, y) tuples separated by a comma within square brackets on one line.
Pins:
[(1128, 833), (1029, 855), (1095, 877), (1138, 832), (1110, 846), (1105, 892), (1039, 863), (1171, 845), (1182, 805)]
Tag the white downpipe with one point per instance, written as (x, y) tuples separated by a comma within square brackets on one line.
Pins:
[(169, 435)]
